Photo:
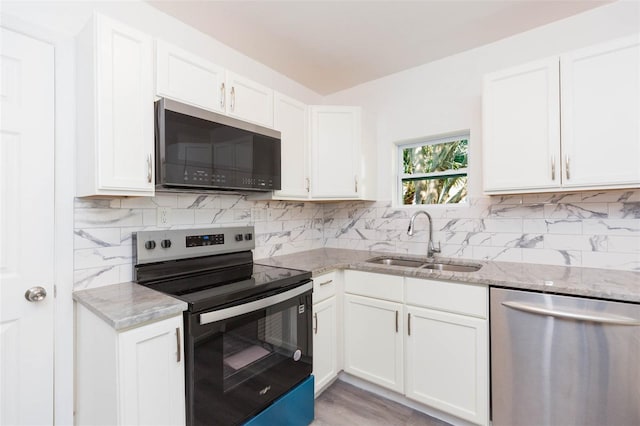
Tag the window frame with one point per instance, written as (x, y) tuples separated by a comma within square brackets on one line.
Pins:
[(423, 141)]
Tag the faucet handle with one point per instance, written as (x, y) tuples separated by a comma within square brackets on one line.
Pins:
[(439, 249)]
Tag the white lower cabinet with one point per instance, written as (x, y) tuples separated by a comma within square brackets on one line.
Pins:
[(325, 351), (426, 339), (373, 340), (131, 377), (446, 362)]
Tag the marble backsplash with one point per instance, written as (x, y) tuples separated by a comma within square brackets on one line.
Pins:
[(592, 229)]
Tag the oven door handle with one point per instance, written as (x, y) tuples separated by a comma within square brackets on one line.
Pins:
[(245, 308)]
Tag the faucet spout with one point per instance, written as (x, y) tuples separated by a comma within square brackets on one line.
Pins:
[(431, 250)]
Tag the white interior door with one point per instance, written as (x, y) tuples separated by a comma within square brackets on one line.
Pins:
[(26, 229)]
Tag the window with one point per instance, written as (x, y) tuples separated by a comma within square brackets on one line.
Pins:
[(434, 170)]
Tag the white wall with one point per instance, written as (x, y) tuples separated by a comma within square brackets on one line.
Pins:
[(445, 95)]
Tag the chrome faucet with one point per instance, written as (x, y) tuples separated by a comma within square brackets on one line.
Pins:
[(431, 250)]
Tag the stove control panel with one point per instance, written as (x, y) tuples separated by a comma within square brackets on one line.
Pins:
[(172, 244), (204, 240)]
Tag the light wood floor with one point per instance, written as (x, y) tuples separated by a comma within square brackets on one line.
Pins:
[(343, 404)]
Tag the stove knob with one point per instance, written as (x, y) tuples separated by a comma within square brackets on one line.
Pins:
[(238, 237), (165, 243), (248, 237), (150, 245)]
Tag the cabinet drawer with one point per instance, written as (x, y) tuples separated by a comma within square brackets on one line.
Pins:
[(324, 286), (464, 299), (380, 286)]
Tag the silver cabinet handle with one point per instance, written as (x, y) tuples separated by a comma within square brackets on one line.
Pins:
[(179, 344), (396, 321), (232, 104), (35, 294), (326, 282), (553, 167), (539, 310), (409, 324), (308, 184), (356, 180), (315, 328), (566, 166), (223, 96), (149, 168)]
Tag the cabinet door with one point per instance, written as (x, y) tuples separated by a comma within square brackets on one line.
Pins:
[(187, 78), (124, 97), (600, 114), (335, 151), (248, 100), (325, 351), (447, 363), (521, 128), (290, 118), (373, 340), (151, 374)]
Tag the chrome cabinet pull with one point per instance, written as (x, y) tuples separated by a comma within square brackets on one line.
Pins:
[(315, 328), (396, 321), (409, 324), (308, 184), (356, 180), (223, 96), (149, 168), (553, 167), (566, 166), (232, 103), (588, 317), (179, 344), (326, 282)]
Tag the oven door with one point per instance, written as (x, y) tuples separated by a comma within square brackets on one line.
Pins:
[(241, 358)]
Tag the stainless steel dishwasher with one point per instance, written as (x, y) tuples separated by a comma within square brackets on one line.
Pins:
[(560, 360)]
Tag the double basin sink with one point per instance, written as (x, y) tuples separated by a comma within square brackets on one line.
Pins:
[(424, 264)]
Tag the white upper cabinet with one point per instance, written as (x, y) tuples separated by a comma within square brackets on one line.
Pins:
[(114, 110), (569, 122), (600, 95), (522, 127), (335, 151), (248, 100), (188, 78), (290, 118)]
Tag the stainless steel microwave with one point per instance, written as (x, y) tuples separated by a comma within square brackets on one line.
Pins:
[(198, 149)]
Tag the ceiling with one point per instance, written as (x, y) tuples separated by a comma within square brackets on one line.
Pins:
[(328, 45)]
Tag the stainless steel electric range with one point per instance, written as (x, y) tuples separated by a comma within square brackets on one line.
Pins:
[(248, 338)]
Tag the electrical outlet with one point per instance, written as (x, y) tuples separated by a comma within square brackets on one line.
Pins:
[(164, 217)]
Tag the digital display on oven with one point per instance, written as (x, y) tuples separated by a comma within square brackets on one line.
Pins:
[(204, 240)]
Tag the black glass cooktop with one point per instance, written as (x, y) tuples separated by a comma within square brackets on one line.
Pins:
[(218, 281)]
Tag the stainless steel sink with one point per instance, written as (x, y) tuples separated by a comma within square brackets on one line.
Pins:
[(424, 264), (454, 267), (397, 262)]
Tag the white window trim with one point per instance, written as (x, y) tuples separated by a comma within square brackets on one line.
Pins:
[(429, 140)]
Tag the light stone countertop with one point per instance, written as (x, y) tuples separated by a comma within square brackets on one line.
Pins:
[(568, 280), (129, 304)]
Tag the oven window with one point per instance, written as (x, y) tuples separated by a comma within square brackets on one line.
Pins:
[(257, 346)]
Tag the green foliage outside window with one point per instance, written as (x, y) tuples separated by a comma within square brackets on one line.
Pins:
[(435, 173)]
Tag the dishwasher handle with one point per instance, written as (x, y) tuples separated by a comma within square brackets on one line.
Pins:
[(612, 319)]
